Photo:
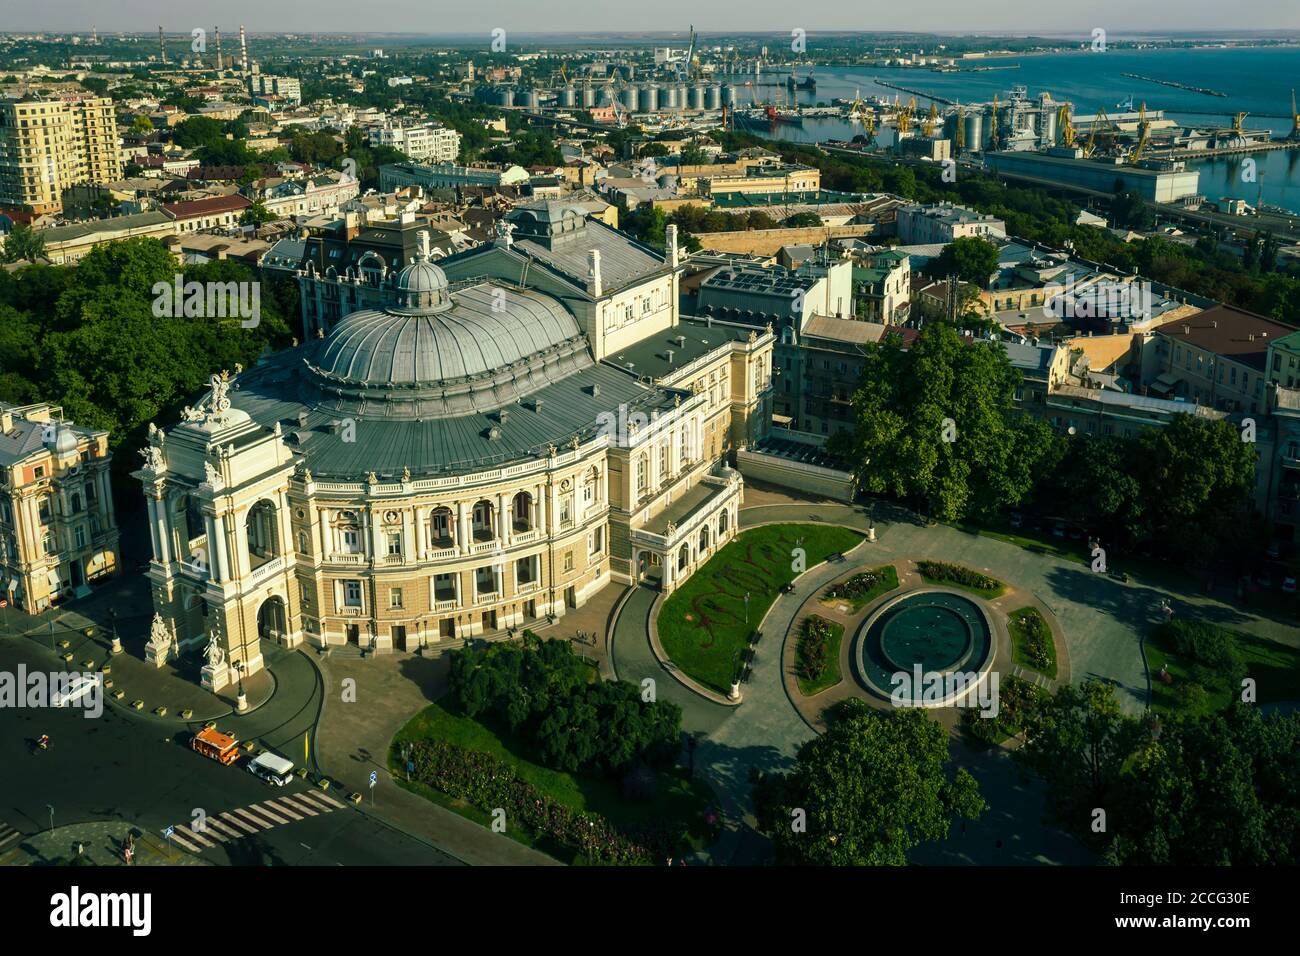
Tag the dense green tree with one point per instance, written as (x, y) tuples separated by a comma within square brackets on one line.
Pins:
[(869, 790), (935, 426), (23, 244), (970, 259), (1128, 210), (1216, 789)]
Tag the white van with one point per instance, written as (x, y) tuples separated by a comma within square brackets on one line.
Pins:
[(274, 770)]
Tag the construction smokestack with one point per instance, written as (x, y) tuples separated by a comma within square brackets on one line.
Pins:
[(243, 50), (162, 47), (220, 63)]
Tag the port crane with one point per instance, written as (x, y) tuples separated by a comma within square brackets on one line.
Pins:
[(1144, 135), (1295, 119), (905, 118), (993, 124), (928, 124), (1066, 122)]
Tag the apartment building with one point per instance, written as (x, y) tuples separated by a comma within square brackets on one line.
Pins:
[(58, 531), (47, 146), (943, 222), (421, 142)]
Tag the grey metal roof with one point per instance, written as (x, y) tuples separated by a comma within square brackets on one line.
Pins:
[(20, 441), (277, 390), (687, 341), (485, 329), (622, 261)]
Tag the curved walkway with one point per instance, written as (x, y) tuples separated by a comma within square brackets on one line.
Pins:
[(1101, 619)]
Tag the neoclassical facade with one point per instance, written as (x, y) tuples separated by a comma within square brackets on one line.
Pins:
[(455, 460)]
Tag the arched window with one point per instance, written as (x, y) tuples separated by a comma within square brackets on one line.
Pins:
[(521, 512), (260, 533), (484, 527), (440, 527)]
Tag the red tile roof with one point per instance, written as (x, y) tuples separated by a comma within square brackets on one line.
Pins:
[(206, 207), (1226, 330)]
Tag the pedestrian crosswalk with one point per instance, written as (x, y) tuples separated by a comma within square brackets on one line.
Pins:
[(248, 821), (8, 835)]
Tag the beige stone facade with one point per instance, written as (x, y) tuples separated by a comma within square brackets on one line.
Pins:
[(271, 522), (47, 146), (58, 531)]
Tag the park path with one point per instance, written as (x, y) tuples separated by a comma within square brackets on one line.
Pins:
[(1103, 621)]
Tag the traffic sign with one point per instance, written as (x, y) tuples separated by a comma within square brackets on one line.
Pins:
[(374, 778), (168, 832)]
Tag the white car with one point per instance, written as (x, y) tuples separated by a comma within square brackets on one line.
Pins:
[(1288, 585)]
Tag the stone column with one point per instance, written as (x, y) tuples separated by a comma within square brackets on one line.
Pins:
[(214, 563), (159, 515), (542, 510), (463, 536), (504, 519), (152, 504), (421, 524), (326, 539), (105, 498)]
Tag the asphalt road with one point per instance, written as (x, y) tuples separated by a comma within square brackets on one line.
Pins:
[(133, 769)]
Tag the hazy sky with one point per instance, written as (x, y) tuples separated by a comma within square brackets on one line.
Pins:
[(592, 16), (558, 16)]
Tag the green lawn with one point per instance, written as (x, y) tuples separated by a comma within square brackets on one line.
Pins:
[(1274, 667), (944, 581), (1021, 640), (676, 797), (829, 675), (888, 581), (703, 626)]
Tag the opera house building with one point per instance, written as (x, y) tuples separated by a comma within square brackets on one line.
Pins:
[(457, 449)]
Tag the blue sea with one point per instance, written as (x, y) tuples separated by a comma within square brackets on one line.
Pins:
[(1258, 81)]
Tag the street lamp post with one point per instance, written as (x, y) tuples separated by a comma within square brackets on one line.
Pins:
[(50, 807), (746, 607)]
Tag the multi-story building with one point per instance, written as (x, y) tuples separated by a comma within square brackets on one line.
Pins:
[(943, 222), (1217, 357), (484, 447), (311, 196), (47, 146), (1283, 362), (57, 526), (288, 88), (420, 142), (447, 176)]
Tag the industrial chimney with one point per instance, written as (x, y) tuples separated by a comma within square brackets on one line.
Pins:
[(243, 50), (220, 62)]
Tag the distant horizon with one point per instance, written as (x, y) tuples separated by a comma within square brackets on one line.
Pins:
[(1011, 18)]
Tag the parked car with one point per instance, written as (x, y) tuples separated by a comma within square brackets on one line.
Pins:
[(1274, 550), (1058, 529), (1288, 585)]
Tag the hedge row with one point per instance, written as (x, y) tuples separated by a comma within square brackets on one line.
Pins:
[(955, 573), (484, 781)]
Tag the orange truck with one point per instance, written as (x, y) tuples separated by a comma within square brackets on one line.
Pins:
[(212, 743)]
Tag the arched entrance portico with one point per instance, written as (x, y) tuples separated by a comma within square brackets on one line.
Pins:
[(272, 622), (649, 567)]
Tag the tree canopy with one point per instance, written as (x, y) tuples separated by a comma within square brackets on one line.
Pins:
[(870, 789)]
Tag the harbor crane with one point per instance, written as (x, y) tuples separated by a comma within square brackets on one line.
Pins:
[(1295, 119), (1066, 123), (928, 124), (1144, 135)]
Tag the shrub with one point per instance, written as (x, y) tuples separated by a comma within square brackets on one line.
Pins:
[(956, 574), (485, 782), (1211, 651), (1038, 639), (855, 586), (546, 695), (812, 647)]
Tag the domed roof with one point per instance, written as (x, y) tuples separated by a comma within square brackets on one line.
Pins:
[(480, 331), (421, 276)]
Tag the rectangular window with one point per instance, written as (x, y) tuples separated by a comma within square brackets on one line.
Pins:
[(596, 542), (568, 561), (352, 593), (395, 542), (566, 510), (80, 535), (395, 597), (351, 540)]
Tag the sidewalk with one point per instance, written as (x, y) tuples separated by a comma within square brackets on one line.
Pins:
[(101, 844), (353, 738)]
